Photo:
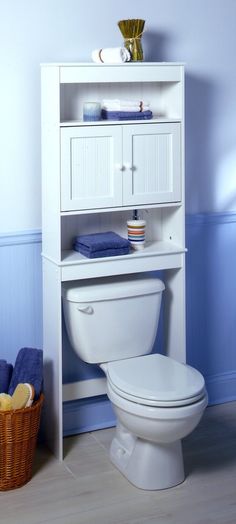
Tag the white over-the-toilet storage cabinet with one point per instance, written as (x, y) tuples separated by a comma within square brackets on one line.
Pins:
[(94, 174)]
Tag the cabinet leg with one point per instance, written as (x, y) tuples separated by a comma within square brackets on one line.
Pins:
[(52, 423), (174, 314)]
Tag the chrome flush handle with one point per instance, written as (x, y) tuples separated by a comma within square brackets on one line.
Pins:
[(85, 309)]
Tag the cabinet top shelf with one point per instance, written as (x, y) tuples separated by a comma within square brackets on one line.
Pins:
[(125, 64), (89, 72)]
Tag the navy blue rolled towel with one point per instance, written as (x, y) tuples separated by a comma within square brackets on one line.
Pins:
[(28, 368), (5, 375)]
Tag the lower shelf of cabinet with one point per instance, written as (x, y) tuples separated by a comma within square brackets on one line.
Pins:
[(155, 256)]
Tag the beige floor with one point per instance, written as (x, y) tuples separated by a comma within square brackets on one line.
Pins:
[(87, 489)]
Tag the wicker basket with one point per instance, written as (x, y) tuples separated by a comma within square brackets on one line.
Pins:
[(18, 437)]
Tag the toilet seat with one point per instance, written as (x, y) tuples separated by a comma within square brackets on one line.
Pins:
[(156, 380)]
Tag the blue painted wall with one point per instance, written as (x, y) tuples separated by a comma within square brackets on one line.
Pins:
[(21, 293), (211, 318), (211, 301)]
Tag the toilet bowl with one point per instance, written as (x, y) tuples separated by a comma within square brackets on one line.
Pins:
[(157, 400), (172, 398)]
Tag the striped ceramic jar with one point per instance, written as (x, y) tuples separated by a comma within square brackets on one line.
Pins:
[(136, 233)]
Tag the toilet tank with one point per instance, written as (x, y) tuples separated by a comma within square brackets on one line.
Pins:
[(112, 318)]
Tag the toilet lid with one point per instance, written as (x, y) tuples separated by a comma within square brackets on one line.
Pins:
[(156, 380)]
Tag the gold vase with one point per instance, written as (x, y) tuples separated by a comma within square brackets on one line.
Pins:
[(132, 31), (134, 46)]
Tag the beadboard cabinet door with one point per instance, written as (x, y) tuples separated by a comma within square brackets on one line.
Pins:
[(91, 170), (152, 158), (120, 165)]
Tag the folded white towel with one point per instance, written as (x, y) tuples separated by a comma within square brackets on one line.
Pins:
[(124, 102), (111, 55), (113, 107), (126, 108), (125, 105)]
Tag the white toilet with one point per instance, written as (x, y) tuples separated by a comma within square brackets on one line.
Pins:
[(157, 401)]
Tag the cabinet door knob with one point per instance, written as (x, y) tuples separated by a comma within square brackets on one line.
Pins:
[(128, 165), (119, 167)]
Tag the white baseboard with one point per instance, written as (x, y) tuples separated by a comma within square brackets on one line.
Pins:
[(221, 387), (88, 414), (84, 389)]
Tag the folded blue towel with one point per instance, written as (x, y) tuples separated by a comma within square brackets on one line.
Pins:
[(102, 252), (5, 375), (106, 244), (126, 115), (28, 368)]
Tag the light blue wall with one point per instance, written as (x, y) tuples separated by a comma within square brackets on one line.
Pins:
[(200, 33), (203, 35)]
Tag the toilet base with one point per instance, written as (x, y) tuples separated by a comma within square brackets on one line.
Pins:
[(147, 465)]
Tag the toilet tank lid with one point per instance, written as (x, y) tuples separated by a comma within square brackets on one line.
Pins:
[(109, 288)]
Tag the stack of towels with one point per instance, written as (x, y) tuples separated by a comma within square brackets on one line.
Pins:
[(96, 245), (28, 368), (116, 109), (21, 385)]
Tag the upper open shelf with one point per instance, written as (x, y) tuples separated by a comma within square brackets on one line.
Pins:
[(160, 84), (164, 99)]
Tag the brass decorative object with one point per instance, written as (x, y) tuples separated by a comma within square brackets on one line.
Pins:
[(132, 31)]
